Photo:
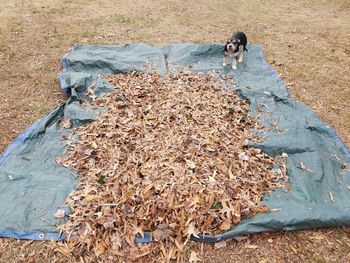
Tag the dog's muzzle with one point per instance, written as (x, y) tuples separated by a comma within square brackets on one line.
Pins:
[(230, 47)]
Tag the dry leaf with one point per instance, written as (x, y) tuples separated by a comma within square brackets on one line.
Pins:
[(60, 213), (220, 244), (243, 156), (331, 196), (89, 198), (226, 225), (240, 238), (66, 123), (191, 164), (194, 257), (138, 230), (275, 209), (251, 246), (230, 174), (100, 248), (335, 156), (294, 249), (191, 230), (317, 237), (108, 224), (162, 232), (302, 167), (284, 155), (116, 241)]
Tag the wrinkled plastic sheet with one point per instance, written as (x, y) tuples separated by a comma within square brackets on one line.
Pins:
[(33, 186)]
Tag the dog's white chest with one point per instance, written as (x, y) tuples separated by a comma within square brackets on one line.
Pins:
[(234, 55)]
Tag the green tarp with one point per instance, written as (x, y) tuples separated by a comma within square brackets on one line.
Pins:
[(33, 186)]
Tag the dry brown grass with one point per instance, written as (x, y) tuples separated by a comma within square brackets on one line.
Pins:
[(307, 41)]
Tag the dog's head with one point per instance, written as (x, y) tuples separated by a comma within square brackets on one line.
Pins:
[(232, 44)]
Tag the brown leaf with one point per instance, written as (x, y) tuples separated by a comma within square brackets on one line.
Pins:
[(302, 166), (251, 246), (90, 198), (294, 249), (226, 225), (220, 244), (60, 213), (191, 230), (194, 257), (66, 123), (100, 248), (138, 230), (108, 224), (331, 196), (162, 232), (116, 241), (230, 174), (191, 165), (240, 238)]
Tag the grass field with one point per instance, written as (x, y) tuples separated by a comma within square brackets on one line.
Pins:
[(306, 41)]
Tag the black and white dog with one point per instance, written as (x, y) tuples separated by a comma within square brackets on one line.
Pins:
[(234, 48)]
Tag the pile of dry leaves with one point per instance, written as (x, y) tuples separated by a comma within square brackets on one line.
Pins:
[(169, 156)]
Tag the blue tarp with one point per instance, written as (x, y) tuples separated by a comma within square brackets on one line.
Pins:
[(33, 186)]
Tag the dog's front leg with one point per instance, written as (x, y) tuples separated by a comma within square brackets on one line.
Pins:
[(225, 60), (234, 63), (240, 54)]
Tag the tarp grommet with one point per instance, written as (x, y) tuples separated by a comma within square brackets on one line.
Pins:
[(42, 236)]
